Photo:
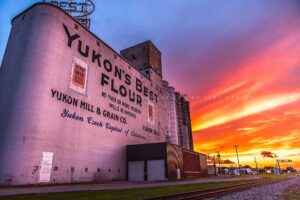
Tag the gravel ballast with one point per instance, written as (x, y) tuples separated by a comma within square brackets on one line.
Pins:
[(267, 192)]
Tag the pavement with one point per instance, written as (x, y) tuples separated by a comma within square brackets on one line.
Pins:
[(111, 186)]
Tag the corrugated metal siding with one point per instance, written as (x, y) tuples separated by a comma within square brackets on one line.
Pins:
[(203, 164), (174, 161), (191, 164)]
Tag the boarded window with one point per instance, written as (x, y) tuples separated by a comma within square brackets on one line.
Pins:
[(150, 113), (79, 76)]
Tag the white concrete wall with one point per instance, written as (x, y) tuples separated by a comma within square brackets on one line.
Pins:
[(37, 60), (170, 114)]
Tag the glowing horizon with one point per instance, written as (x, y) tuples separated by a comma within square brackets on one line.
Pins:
[(258, 108)]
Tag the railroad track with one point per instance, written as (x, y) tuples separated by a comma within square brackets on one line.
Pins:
[(215, 192)]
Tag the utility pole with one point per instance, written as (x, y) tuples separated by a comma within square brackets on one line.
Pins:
[(219, 157), (277, 161), (256, 163), (215, 165), (237, 157)]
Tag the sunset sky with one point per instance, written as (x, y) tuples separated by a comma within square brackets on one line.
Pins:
[(237, 61)]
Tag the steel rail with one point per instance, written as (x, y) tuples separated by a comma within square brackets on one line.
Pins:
[(215, 192)]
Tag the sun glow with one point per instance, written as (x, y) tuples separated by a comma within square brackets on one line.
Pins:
[(257, 108)]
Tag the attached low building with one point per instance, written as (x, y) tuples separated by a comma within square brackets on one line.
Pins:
[(163, 161)]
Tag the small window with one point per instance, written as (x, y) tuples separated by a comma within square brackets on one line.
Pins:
[(86, 169), (76, 26), (98, 169), (55, 168), (115, 56), (133, 56), (119, 170), (23, 17), (109, 170), (98, 43)]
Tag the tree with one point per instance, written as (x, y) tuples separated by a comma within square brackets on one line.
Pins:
[(291, 169), (247, 166)]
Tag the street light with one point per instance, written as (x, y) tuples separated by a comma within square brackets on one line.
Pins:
[(213, 158)]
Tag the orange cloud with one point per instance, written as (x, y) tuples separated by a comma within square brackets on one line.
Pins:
[(257, 107)]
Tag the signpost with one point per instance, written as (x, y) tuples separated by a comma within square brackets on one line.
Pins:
[(79, 10), (46, 166)]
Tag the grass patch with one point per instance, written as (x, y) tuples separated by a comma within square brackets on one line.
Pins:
[(127, 194), (295, 196), (292, 193), (273, 176), (132, 194)]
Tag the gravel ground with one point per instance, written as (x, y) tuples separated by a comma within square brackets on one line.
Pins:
[(268, 192)]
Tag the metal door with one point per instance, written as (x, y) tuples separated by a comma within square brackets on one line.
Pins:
[(136, 170), (156, 170)]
